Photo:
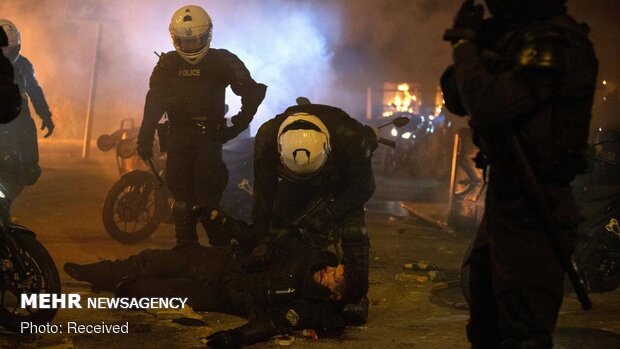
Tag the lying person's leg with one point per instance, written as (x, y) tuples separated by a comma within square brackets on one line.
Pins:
[(195, 262)]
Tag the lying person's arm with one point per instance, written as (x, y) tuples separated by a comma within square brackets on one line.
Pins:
[(304, 314)]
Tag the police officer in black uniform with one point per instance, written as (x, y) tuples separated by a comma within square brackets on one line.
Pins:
[(21, 133), (10, 99), (310, 153), (189, 86), (303, 288), (529, 68)]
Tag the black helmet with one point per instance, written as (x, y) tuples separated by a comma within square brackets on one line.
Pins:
[(526, 9)]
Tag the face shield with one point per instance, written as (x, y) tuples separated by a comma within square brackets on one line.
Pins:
[(192, 44)]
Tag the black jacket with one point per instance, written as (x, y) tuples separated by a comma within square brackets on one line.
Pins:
[(191, 93), (347, 175), (539, 77), (29, 87), (281, 297)]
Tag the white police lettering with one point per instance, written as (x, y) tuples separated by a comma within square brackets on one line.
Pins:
[(72, 300), (50, 301), (189, 72)]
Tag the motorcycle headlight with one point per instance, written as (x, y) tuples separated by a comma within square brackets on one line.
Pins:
[(394, 132), (2, 195), (406, 135)]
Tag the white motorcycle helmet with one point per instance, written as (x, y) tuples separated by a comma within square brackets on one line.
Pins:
[(303, 143), (15, 43), (191, 30)]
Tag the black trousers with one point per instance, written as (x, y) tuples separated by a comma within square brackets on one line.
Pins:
[(516, 281), (195, 175)]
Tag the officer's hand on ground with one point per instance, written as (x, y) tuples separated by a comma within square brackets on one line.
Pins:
[(229, 339), (145, 151), (49, 125), (467, 23)]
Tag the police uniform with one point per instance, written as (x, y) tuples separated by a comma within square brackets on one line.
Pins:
[(20, 135), (276, 298), (347, 178), (193, 97), (538, 75)]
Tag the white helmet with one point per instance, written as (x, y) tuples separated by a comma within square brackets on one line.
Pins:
[(15, 43), (191, 30), (303, 143)]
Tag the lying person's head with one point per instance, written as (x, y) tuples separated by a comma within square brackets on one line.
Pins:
[(347, 283)]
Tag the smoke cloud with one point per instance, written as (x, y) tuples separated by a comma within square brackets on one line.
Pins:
[(329, 51)]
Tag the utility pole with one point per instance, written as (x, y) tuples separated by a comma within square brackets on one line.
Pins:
[(93, 11)]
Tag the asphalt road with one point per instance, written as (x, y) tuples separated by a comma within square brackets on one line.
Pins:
[(408, 309)]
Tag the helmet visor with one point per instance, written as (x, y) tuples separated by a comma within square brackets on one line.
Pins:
[(192, 44)]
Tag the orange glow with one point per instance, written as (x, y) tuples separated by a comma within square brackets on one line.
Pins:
[(402, 97)]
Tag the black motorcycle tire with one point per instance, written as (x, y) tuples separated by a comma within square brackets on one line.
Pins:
[(139, 179), (47, 269)]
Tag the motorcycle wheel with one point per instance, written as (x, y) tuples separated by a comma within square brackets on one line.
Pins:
[(134, 207), (42, 278)]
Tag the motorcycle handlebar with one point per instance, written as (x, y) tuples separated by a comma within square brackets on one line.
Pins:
[(388, 142)]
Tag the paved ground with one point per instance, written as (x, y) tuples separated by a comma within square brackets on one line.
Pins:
[(408, 310)]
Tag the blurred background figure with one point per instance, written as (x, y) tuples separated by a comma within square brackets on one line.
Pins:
[(19, 137)]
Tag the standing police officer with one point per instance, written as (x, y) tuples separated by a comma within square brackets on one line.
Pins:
[(22, 131), (189, 86), (308, 153), (530, 67)]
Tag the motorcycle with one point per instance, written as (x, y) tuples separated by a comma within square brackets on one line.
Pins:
[(25, 268), (419, 142), (139, 202)]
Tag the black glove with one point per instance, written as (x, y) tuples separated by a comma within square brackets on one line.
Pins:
[(48, 124), (467, 23), (145, 151), (241, 120), (319, 222), (229, 339), (232, 132)]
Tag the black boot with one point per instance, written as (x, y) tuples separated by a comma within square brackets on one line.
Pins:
[(357, 313), (103, 276)]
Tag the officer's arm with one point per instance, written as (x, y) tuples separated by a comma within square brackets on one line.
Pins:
[(319, 315), (355, 144), (34, 91), (493, 98), (265, 178), (450, 92), (242, 84), (155, 104)]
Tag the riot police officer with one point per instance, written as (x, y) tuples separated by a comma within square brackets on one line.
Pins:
[(189, 85), (310, 153), (21, 133), (526, 77)]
